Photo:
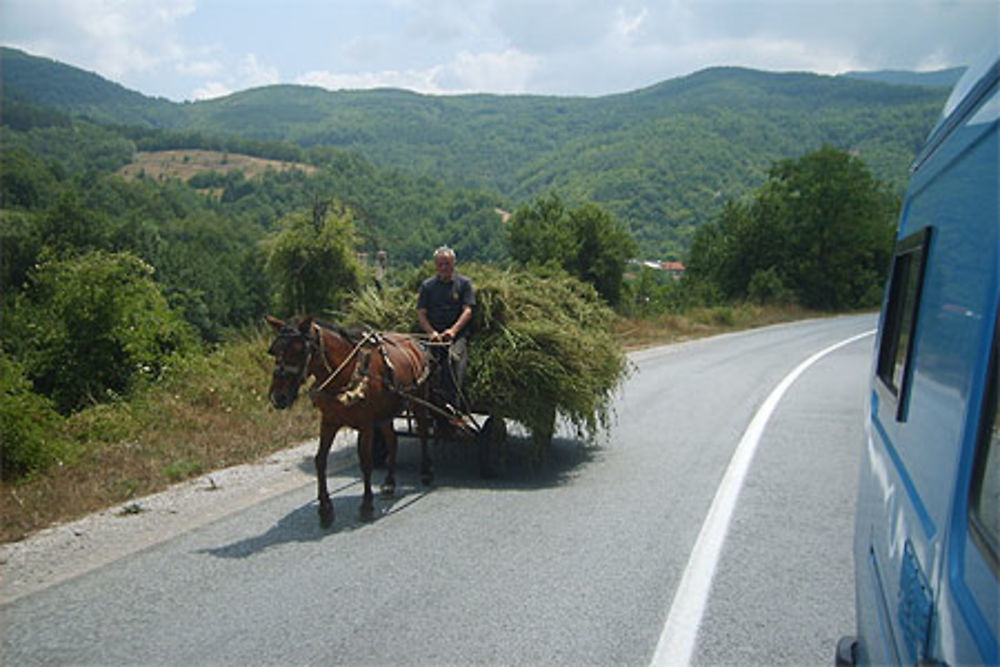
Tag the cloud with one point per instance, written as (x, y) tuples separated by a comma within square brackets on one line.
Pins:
[(560, 47), (114, 38), (504, 72), (250, 73), (211, 90), (253, 74)]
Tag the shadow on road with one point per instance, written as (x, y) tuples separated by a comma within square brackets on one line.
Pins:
[(456, 466)]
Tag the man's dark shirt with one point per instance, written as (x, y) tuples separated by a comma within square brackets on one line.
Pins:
[(444, 301)]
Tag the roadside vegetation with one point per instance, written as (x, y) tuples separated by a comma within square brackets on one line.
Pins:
[(208, 413), (131, 350)]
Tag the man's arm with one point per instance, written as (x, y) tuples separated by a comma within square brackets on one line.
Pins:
[(425, 324), (463, 319)]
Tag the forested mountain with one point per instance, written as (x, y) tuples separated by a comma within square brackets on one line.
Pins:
[(49, 83), (663, 159), (135, 234), (945, 78)]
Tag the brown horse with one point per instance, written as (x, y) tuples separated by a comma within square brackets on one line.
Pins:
[(362, 380)]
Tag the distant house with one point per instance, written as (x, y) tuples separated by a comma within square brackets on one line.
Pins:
[(675, 269)]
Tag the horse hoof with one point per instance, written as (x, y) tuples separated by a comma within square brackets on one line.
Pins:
[(367, 512), (388, 491), (325, 516)]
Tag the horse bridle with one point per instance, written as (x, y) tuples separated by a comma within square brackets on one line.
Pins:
[(311, 343), (282, 369)]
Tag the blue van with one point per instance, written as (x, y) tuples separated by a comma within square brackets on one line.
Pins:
[(927, 531)]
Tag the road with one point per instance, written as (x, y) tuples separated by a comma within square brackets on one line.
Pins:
[(576, 561)]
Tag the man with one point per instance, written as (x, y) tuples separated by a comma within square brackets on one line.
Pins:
[(444, 308)]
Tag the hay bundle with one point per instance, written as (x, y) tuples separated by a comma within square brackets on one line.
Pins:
[(542, 345)]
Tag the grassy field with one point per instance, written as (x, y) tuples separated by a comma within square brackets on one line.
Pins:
[(213, 412), (184, 164)]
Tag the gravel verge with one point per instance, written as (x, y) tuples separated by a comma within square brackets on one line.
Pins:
[(70, 549)]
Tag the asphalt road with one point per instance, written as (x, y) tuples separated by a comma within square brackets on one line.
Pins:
[(573, 562)]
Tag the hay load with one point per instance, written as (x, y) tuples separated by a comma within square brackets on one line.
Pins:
[(542, 345)]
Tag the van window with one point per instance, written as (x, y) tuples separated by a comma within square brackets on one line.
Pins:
[(901, 315), (985, 500)]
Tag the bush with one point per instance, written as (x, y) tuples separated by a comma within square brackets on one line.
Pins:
[(88, 328), (767, 287), (312, 260), (29, 426)]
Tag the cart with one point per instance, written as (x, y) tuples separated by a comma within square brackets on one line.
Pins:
[(482, 426)]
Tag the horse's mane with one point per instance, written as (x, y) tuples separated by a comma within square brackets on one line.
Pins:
[(353, 335)]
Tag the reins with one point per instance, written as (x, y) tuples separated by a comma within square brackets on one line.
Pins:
[(364, 339)]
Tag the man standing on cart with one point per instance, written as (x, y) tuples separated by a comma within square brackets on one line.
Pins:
[(444, 308)]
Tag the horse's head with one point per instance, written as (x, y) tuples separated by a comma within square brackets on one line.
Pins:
[(292, 351)]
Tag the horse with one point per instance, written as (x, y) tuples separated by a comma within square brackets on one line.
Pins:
[(362, 380)]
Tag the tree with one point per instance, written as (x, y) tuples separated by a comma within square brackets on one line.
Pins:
[(819, 230), (839, 223), (93, 325), (600, 250), (312, 260), (540, 233), (586, 241)]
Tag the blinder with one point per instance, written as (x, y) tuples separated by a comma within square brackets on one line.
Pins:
[(283, 369)]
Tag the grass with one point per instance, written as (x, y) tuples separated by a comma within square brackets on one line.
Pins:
[(184, 164), (213, 412), (636, 333)]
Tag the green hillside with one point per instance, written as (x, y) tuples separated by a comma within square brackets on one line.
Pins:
[(663, 159), (945, 78), (48, 83)]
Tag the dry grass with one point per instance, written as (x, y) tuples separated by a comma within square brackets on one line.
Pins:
[(183, 164), (208, 415), (638, 333)]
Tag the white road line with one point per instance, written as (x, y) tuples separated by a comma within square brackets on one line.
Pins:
[(677, 640)]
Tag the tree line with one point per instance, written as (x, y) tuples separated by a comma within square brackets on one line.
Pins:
[(106, 282), (663, 160)]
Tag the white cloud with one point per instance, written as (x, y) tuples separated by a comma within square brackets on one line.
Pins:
[(417, 80), (200, 68), (112, 37), (505, 72), (213, 47), (626, 24), (211, 90), (250, 73), (253, 74)]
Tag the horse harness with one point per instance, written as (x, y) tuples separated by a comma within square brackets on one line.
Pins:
[(356, 388)]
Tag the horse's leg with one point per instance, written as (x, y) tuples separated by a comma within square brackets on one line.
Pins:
[(366, 458), (327, 431), (391, 443)]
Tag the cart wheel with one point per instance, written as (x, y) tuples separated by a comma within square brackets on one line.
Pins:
[(492, 440)]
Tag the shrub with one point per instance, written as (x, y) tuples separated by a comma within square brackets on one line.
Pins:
[(88, 328), (29, 426), (767, 287)]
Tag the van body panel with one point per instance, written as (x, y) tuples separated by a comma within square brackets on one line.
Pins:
[(926, 573)]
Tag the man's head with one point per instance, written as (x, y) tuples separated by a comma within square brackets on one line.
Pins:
[(444, 262)]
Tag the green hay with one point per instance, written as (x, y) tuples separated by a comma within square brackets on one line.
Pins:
[(543, 344)]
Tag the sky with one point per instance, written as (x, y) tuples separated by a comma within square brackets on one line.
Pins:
[(200, 49)]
